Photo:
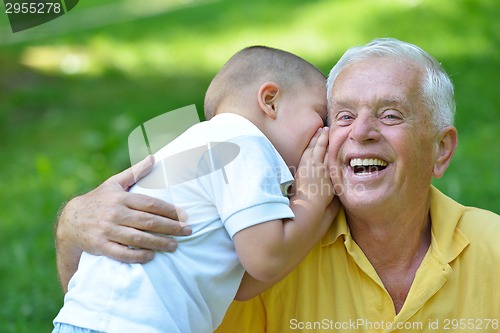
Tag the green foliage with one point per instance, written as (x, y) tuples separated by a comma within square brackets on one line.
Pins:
[(72, 90)]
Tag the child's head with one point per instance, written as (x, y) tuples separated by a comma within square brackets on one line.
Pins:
[(281, 93)]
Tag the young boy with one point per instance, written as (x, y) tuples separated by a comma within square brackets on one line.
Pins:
[(263, 101)]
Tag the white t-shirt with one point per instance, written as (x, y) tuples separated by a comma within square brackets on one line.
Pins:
[(227, 176)]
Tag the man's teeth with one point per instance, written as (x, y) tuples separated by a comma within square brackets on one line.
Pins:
[(359, 162)]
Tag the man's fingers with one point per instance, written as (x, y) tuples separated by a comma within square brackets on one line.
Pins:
[(142, 168), (125, 254), (155, 224), (143, 240), (140, 226), (154, 206), (131, 175)]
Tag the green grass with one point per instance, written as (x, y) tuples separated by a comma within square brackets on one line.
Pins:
[(62, 134)]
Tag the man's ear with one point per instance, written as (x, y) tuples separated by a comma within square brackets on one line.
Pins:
[(447, 144), (267, 98)]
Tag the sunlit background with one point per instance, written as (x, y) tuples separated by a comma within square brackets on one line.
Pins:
[(73, 89)]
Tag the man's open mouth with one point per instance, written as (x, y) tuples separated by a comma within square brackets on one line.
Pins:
[(367, 166)]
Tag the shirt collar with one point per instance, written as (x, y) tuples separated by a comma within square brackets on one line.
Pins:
[(338, 227), (447, 239)]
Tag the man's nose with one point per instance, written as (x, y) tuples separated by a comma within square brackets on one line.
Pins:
[(365, 128)]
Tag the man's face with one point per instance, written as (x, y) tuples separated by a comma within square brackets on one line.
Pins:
[(382, 147)]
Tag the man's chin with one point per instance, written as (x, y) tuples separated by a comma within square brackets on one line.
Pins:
[(359, 198)]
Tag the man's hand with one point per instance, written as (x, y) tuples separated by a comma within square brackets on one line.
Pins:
[(107, 220)]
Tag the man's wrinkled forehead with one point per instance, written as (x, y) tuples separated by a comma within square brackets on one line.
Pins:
[(373, 76)]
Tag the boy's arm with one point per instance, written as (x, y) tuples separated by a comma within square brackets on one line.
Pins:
[(269, 251), (251, 287)]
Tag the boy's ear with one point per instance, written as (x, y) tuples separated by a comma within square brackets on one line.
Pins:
[(267, 98), (447, 144)]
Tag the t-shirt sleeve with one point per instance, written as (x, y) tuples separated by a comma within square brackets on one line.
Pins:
[(249, 182)]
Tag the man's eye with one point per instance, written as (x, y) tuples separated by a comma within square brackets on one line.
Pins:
[(392, 117), (344, 118), (344, 115)]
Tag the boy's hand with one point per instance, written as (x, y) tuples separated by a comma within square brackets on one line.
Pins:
[(312, 179)]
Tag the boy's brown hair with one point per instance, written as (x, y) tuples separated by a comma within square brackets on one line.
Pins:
[(256, 65)]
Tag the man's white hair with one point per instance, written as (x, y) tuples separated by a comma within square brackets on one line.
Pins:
[(436, 88)]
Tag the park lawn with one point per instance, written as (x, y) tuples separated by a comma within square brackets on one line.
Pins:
[(70, 96)]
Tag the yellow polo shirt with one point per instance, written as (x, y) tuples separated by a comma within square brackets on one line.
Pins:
[(336, 289)]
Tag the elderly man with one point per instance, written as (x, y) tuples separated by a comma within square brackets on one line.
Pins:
[(400, 256)]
